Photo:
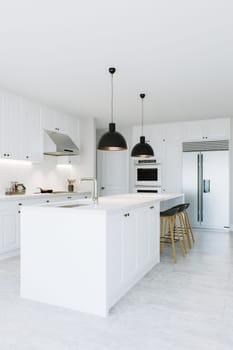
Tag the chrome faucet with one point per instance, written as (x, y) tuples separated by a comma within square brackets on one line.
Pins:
[(94, 188)]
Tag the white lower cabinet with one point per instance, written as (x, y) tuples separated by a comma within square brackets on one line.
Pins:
[(129, 244), (10, 219), (133, 247), (9, 228)]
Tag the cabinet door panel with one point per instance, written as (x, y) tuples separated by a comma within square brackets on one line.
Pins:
[(154, 232), (30, 132), (9, 127), (68, 125), (172, 166), (143, 233), (48, 118), (9, 229), (114, 254), (9, 224), (112, 172), (129, 246), (147, 232), (60, 122), (216, 200)]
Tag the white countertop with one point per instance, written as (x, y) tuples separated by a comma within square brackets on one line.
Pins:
[(4, 197), (113, 203)]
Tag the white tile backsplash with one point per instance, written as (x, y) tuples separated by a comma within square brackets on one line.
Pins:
[(45, 174)]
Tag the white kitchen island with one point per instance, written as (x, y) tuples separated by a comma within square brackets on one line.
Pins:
[(86, 257)]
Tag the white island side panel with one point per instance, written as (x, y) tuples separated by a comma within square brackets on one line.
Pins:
[(63, 259)]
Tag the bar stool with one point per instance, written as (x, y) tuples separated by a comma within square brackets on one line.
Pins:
[(182, 225), (168, 220), (187, 221), (185, 226)]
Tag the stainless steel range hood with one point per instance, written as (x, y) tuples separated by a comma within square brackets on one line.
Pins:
[(60, 145)]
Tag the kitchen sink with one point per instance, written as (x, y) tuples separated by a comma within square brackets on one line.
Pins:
[(73, 205)]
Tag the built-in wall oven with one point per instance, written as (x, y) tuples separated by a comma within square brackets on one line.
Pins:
[(147, 173), (147, 189)]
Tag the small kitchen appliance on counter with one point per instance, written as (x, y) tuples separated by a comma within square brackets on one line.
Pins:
[(16, 188), (71, 183), (43, 190)]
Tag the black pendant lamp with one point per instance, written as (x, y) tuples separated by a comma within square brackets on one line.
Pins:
[(112, 140), (142, 149)]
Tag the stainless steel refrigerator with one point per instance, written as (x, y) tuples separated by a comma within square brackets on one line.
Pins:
[(206, 183)]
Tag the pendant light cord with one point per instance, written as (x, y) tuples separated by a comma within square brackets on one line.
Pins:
[(142, 117), (112, 99)]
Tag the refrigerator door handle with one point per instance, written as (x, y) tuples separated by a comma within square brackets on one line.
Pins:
[(198, 188), (201, 190), (206, 186)]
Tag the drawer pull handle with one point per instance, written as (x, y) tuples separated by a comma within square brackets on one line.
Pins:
[(20, 204), (127, 214), (152, 207)]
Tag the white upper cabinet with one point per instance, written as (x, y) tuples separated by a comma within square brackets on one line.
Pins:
[(68, 125), (60, 122), (48, 119), (204, 130), (9, 126), (155, 137), (21, 127), (30, 131)]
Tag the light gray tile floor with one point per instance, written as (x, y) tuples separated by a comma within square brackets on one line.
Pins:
[(185, 306)]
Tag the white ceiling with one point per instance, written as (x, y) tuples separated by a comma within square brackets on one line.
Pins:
[(179, 52)]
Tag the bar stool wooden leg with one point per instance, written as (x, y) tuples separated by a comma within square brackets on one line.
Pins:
[(188, 225), (178, 236), (182, 231), (170, 229), (186, 230), (162, 222)]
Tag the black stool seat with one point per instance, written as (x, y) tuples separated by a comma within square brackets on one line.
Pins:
[(181, 207), (169, 212)]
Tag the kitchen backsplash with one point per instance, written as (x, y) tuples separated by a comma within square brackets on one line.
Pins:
[(45, 174)]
